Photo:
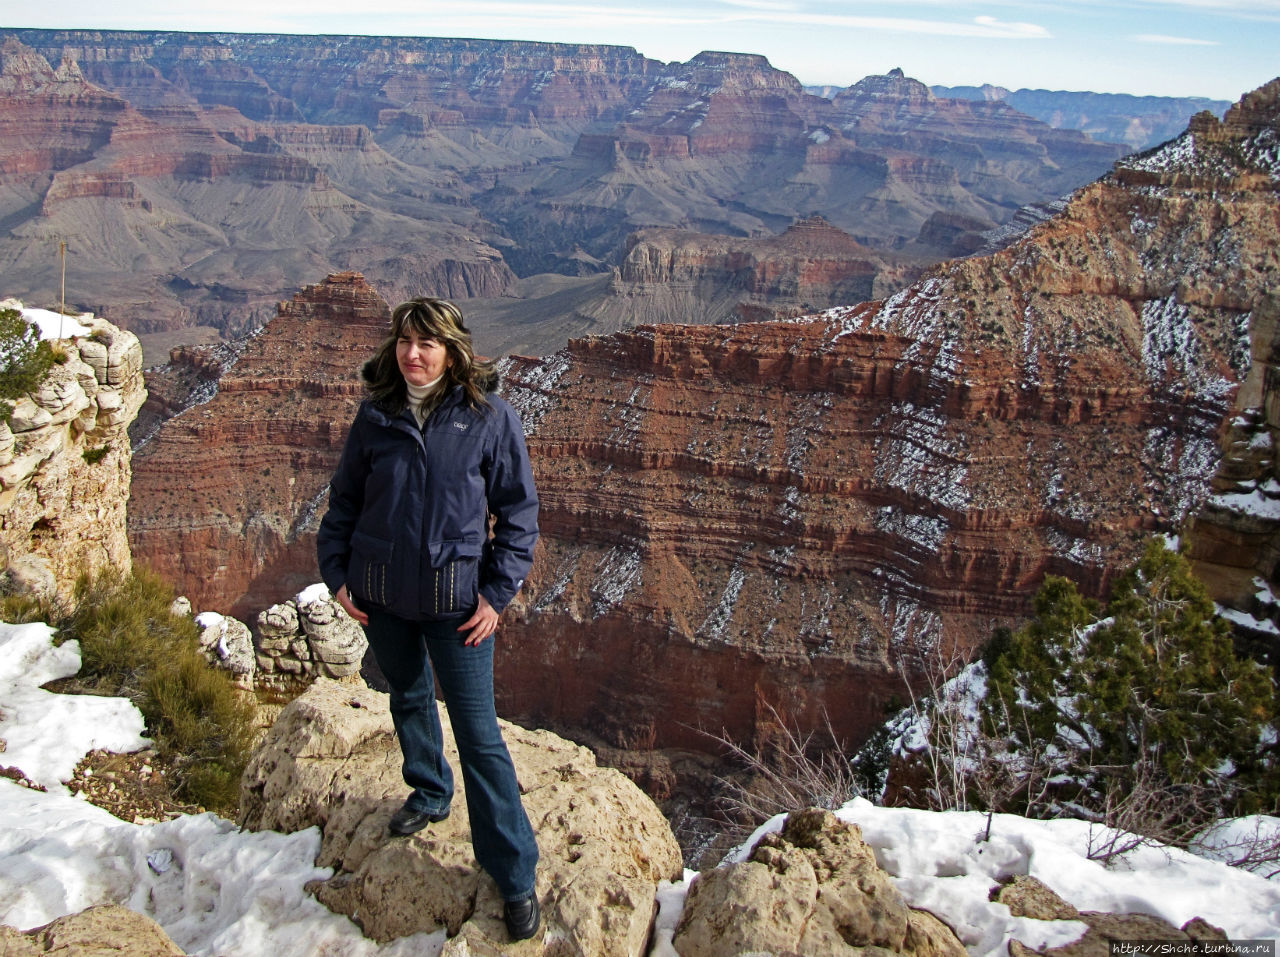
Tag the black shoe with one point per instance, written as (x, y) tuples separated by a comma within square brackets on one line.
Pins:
[(407, 820), (522, 917)]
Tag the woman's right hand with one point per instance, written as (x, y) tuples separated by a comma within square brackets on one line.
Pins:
[(344, 599)]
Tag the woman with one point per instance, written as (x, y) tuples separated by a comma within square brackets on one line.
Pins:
[(405, 548)]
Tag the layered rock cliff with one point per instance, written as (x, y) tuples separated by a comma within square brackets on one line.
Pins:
[(179, 212), (65, 461), (706, 278), (778, 513), (1138, 121), (727, 144)]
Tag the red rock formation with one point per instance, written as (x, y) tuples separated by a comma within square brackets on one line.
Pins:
[(178, 214), (52, 119), (725, 143), (1235, 541), (225, 496), (810, 266)]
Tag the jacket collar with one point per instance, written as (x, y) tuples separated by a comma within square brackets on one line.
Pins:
[(455, 397)]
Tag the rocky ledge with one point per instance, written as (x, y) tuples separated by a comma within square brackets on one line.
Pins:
[(331, 760)]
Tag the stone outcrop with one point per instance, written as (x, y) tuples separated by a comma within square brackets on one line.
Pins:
[(309, 636), (264, 444), (243, 166), (65, 463), (812, 888), (331, 759), (108, 931), (227, 643)]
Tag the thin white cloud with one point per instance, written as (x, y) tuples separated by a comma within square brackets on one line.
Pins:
[(1175, 41), (1267, 11), (759, 5), (510, 14)]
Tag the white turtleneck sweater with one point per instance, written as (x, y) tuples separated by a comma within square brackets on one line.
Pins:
[(416, 394)]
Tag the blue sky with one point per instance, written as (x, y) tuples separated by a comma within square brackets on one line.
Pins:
[(1214, 48)]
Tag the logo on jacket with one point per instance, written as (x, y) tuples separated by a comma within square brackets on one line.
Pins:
[(461, 426)]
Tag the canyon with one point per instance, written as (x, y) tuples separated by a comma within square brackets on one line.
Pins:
[(200, 179), (1140, 122), (779, 520)]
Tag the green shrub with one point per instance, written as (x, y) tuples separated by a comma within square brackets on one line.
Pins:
[(22, 608), (94, 456), (124, 626), (132, 644), (203, 720)]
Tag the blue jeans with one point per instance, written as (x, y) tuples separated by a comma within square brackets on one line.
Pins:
[(412, 656)]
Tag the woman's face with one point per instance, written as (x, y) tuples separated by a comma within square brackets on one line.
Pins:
[(422, 360)]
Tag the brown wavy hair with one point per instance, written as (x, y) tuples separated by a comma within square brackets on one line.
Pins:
[(440, 320)]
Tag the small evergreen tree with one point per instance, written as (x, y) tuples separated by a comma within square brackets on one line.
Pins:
[(25, 359), (1151, 702)]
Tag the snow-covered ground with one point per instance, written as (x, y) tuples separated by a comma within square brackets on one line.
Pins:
[(216, 890), (52, 325)]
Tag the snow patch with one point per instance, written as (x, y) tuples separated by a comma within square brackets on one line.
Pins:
[(532, 392), (718, 620), (927, 531), (915, 454), (618, 571)]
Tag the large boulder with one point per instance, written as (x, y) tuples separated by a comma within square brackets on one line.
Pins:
[(227, 643), (332, 760), (812, 888)]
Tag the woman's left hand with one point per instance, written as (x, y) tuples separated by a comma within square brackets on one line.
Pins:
[(481, 625)]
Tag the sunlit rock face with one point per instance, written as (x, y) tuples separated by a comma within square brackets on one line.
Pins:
[(65, 463)]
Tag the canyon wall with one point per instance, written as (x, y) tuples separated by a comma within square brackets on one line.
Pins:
[(1138, 121), (808, 267), (785, 513), (226, 494)]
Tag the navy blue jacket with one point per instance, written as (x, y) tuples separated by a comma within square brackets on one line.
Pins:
[(408, 522)]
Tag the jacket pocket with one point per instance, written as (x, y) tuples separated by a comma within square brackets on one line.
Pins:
[(367, 574), (452, 585)]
